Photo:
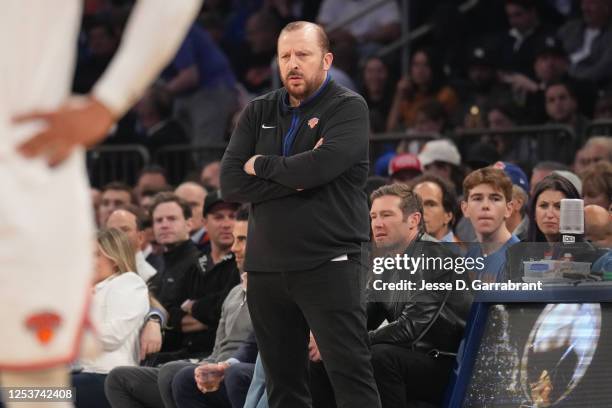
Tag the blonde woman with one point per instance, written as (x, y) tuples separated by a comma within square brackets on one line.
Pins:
[(119, 305)]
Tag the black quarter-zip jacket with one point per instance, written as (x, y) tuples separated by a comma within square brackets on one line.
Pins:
[(291, 230)]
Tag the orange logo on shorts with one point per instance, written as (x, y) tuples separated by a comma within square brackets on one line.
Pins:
[(43, 325), (313, 122)]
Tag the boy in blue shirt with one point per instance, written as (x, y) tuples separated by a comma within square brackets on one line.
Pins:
[(487, 204)]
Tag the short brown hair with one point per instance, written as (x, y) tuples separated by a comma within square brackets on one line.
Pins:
[(298, 25), (496, 178), (409, 201), (167, 197), (119, 186), (597, 179)]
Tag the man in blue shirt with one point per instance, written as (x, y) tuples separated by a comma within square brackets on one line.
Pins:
[(201, 79)]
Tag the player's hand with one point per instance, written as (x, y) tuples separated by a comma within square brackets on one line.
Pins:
[(81, 121), (150, 339), (319, 143), (313, 350), (249, 166), (190, 324)]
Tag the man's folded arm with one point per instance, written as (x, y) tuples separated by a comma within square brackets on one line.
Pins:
[(236, 185), (345, 144)]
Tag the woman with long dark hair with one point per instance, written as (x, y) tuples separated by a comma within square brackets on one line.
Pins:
[(424, 82), (544, 238), (377, 90), (544, 212)]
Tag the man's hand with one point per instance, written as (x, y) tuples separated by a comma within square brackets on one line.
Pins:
[(190, 324), (313, 350), (208, 376), (150, 339), (187, 305), (404, 86), (79, 122), (249, 166), (518, 82)]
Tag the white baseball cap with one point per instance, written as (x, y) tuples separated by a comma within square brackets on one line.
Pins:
[(572, 178), (440, 150)]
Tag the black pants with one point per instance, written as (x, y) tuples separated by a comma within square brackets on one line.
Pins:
[(320, 388), (143, 387), (89, 389), (405, 376), (329, 301)]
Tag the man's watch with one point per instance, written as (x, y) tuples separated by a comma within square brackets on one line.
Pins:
[(154, 318)]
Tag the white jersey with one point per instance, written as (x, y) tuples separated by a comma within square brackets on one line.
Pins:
[(46, 221)]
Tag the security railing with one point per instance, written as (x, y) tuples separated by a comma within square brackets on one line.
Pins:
[(184, 161), (108, 163), (526, 145), (124, 162), (599, 128)]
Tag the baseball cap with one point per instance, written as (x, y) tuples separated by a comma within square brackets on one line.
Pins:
[(571, 177), (213, 199), (515, 173), (550, 45), (381, 167), (441, 151), (481, 55), (404, 161), (481, 155)]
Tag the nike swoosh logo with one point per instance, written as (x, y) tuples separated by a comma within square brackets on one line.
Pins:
[(267, 127)]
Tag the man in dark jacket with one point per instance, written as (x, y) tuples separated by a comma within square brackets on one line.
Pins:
[(413, 354), (212, 277), (517, 46), (193, 285), (299, 155), (171, 224)]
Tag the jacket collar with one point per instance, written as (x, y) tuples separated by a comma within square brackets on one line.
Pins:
[(179, 250)]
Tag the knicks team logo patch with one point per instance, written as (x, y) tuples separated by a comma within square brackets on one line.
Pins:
[(313, 122), (43, 325)]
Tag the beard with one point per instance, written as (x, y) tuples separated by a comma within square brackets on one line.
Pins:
[(305, 88), (300, 91)]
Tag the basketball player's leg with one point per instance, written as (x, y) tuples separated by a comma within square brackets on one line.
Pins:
[(39, 379)]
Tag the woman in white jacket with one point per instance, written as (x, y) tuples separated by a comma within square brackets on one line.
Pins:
[(119, 305)]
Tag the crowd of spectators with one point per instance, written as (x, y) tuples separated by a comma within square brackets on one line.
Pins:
[(526, 63), (189, 246), (529, 62)]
